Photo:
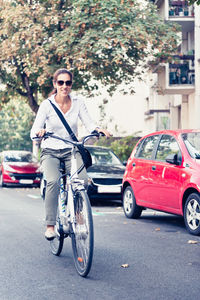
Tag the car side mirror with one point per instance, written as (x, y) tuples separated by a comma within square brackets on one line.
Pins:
[(173, 159), (125, 163)]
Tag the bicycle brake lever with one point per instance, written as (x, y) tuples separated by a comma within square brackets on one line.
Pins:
[(95, 132), (47, 134), (98, 133), (101, 134)]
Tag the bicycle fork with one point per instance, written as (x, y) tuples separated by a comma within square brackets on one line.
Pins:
[(62, 207), (70, 202), (66, 209)]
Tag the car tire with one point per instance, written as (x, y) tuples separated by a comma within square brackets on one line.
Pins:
[(131, 209), (1, 180), (192, 213)]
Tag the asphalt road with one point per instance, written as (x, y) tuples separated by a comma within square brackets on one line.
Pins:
[(149, 258)]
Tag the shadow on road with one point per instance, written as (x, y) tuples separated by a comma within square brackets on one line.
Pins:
[(173, 222), (106, 202)]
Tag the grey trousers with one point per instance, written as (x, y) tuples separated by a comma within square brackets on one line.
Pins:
[(50, 162)]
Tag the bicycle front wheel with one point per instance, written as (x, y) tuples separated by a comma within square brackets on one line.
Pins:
[(83, 234)]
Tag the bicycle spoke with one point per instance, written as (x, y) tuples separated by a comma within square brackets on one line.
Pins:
[(82, 238)]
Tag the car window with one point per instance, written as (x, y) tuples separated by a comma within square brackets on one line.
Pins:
[(192, 143), (147, 147), (137, 149), (167, 145), (19, 157), (104, 157)]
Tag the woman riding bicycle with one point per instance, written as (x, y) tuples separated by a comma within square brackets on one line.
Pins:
[(53, 150)]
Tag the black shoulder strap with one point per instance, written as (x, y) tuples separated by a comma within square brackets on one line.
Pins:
[(60, 115)]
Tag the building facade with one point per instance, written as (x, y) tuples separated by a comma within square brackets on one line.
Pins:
[(174, 88)]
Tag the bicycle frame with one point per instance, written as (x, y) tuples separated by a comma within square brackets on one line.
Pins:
[(72, 184)]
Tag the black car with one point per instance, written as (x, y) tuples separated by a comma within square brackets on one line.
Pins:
[(105, 174)]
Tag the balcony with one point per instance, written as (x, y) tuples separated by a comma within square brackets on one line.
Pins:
[(180, 9), (177, 77), (181, 13), (177, 11), (181, 70)]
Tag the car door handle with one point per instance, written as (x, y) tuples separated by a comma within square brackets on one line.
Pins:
[(133, 164), (153, 168)]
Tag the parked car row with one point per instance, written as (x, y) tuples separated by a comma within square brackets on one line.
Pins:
[(162, 173), (105, 174)]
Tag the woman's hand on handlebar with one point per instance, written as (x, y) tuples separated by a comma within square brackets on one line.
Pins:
[(41, 133), (104, 132)]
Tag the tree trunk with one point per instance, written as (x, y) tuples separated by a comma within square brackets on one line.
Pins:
[(32, 102), (31, 99)]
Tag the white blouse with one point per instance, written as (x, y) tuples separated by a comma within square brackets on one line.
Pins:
[(46, 116)]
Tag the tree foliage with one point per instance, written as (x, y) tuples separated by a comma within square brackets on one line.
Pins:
[(99, 41), (194, 1), (122, 147), (16, 119)]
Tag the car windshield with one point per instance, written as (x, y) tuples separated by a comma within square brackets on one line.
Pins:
[(19, 157), (104, 157), (192, 143)]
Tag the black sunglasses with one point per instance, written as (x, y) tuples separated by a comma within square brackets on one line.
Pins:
[(67, 83)]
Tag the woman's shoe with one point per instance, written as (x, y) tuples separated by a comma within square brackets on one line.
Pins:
[(50, 234)]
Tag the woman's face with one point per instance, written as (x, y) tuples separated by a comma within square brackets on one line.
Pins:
[(63, 85)]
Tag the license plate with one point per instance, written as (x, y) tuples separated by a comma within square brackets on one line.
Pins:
[(109, 189), (26, 181)]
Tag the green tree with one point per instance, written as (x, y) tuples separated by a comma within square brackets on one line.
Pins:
[(122, 147), (100, 41), (16, 119), (194, 1)]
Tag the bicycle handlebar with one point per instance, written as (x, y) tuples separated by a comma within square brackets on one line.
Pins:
[(51, 134)]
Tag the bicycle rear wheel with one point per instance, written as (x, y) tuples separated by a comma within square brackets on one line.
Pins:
[(56, 245), (83, 234)]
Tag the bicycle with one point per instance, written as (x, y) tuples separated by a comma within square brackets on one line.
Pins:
[(74, 215)]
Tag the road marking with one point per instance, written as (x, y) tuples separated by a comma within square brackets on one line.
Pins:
[(34, 196), (97, 213)]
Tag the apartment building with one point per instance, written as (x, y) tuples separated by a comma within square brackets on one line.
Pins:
[(174, 88)]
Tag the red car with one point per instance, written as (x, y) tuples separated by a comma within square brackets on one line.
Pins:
[(19, 168), (163, 173)]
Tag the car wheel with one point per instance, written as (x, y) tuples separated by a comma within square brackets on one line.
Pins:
[(192, 214), (1, 180), (131, 209)]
